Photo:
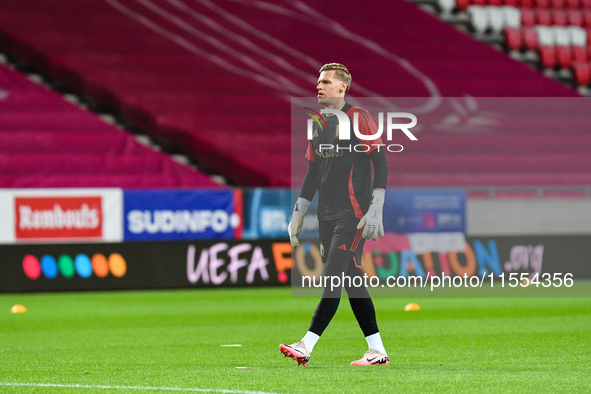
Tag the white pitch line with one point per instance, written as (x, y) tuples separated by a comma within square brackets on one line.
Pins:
[(88, 386)]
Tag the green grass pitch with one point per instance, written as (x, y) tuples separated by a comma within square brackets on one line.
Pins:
[(168, 340)]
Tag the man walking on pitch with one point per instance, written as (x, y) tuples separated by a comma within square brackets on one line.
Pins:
[(349, 212)]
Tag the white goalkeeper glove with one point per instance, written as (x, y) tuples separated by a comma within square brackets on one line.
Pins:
[(297, 221), (372, 220)]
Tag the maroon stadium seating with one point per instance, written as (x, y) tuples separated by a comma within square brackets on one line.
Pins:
[(558, 17), (216, 77), (582, 72), (574, 17), (513, 38), (543, 17), (528, 17), (48, 142), (573, 4), (563, 56)]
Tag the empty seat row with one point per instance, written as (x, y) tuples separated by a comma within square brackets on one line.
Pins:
[(564, 36), (582, 73), (495, 18), (568, 24), (532, 38), (555, 16), (462, 5), (563, 57)]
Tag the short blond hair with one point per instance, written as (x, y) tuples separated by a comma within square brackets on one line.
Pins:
[(341, 73)]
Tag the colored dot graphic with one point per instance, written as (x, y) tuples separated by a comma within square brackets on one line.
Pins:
[(80, 265), (100, 266), (66, 266), (31, 266)]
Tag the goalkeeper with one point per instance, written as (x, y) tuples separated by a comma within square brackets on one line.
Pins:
[(349, 211)]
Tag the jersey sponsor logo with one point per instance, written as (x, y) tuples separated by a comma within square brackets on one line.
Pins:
[(343, 247), (58, 217), (326, 153)]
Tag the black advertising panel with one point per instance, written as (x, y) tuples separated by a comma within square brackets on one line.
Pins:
[(228, 263), (143, 265), (490, 266)]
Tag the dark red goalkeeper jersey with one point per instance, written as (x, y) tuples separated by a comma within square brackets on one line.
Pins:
[(344, 177)]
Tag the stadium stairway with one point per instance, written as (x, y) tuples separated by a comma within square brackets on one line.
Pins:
[(49, 142), (216, 78)]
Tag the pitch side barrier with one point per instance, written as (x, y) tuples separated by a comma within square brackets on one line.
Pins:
[(107, 239), (144, 265), (533, 266), (445, 265)]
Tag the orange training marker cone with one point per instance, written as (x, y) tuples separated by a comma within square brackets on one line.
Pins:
[(18, 309), (412, 307)]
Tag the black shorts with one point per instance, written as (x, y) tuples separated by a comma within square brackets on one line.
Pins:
[(340, 237)]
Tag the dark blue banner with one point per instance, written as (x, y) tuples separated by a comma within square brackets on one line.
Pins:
[(267, 213), (425, 211), (182, 214)]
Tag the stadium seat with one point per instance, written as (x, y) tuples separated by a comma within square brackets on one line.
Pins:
[(480, 3), (462, 5), (547, 56), (446, 6), (579, 54), (495, 3), (573, 4), (543, 17), (512, 3), (496, 19), (563, 56), (562, 35), (513, 38), (586, 4), (558, 17), (478, 18), (587, 18), (545, 36), (530, 38), (543, 4), (582, 71), (574, 18), (528, 17), (578, 36), (557, 4), (511, 17)]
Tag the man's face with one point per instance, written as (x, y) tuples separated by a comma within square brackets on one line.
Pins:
[(329, 86)]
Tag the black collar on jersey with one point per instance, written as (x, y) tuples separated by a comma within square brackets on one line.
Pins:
[(345, 108)]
